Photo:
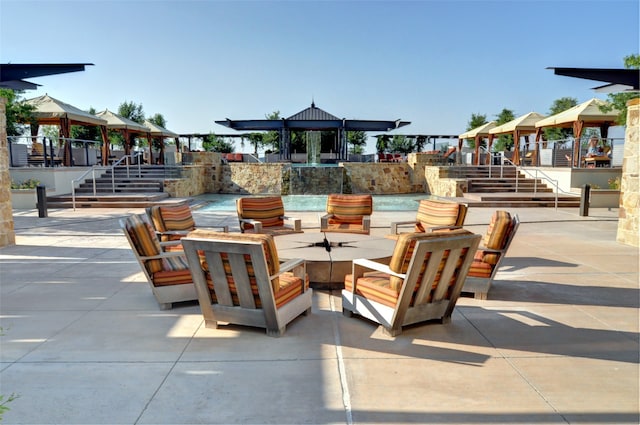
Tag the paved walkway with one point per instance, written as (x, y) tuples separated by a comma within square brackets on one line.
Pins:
[(85, 343)]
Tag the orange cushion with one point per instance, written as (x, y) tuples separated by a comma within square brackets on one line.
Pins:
[(436, 213), (144, 240), (269, 210), (177, 217), (345, 207), (499, 228)]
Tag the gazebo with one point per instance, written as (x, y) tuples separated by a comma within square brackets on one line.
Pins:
[(477, 134), (50, 111), (523, 125), (586, 114), (126, 126), (159, 133), (313, 119)]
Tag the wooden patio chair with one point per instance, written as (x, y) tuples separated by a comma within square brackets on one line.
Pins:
[(421, 283), (500, 233), (239, 279), (173, 222), (168, 273), (434, 215), (347, 214), (265, 214)]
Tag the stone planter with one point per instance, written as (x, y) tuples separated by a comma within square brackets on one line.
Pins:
[(23, 199), (604, 198)]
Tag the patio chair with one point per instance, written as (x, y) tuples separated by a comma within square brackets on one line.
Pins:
[(168, 273), (434, 215), (173, 222), (500, 233), (347, 214), (265, 214), (421, 283), (239, 279)]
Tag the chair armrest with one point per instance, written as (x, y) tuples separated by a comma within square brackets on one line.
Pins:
[(163, 255), (255, 223), (360, 265), (437, 228), (225, 229), (164, 244), (366, 222), (374, 265), (298, 265), (395, 225), (297, 223), (324, 221)]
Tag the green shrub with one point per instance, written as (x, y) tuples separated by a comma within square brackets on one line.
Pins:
[(27, 184)]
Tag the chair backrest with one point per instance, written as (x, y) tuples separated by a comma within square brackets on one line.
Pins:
[(234, 263), (433, 213), (269, 210), (349, 208), (171, 217), (442, 263), (500, 230), (143, 241)]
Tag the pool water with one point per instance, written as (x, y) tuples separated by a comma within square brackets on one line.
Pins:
[(227, 202)]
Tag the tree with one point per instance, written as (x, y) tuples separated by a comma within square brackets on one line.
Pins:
[(402, 144), (560, 105), (86, 132), (476, 121), (505, 141), (270, 139), (619, 100), (159, 120), (17, 112), (133, 112), (357, 140), (214, 143)]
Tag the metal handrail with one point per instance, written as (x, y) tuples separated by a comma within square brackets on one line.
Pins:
[(92, 170), (554, 182), (113, 180)]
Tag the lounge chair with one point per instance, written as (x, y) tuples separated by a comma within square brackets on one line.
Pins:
[(500, 233), (434, 215), (347, 214), (168, 273), (421, 283), (240, 280), (173, 222), (265, 214)]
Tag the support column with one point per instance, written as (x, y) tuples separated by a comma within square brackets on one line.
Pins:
[(7, 231), (629, 215)]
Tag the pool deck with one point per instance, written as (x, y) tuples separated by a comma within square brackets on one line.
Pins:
[(85, 343)]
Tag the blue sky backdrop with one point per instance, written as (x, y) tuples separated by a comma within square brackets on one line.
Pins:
[(433, 63)]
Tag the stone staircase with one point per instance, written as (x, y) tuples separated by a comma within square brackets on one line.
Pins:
[(506, 187), (133, 188)]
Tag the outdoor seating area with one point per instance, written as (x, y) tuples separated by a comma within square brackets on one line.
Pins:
[(555, 342)]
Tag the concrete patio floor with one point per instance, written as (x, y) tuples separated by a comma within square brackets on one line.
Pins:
[(85, 343)]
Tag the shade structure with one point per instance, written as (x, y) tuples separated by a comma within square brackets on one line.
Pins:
[(477, 134), (522, 125), (313, 119), (586, 114), (160, 133), (126, 126), (51, 111)]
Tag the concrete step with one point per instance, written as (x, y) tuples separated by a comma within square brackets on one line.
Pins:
[(122, 200)]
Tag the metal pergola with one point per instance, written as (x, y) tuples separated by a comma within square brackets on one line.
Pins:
[(312, 119)]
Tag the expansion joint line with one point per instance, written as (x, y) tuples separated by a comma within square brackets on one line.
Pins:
[(346, 396)]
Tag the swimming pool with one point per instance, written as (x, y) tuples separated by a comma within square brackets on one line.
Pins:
[(227, 202)]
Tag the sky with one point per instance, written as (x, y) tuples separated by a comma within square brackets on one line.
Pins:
[(433, 62)]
